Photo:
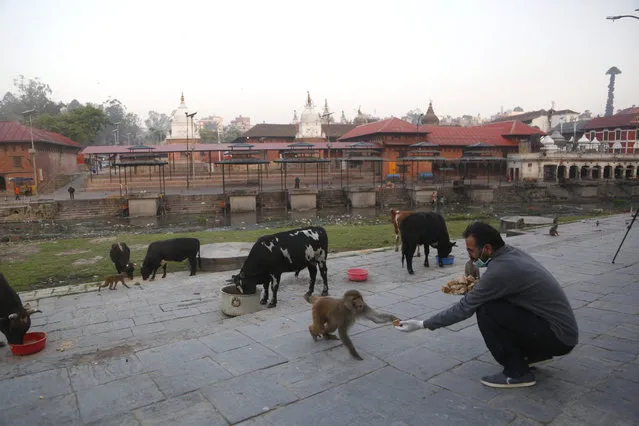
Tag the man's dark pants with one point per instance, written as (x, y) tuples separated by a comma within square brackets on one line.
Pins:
[(516, 337)]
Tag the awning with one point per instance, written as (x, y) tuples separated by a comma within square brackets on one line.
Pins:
[(20, 180)]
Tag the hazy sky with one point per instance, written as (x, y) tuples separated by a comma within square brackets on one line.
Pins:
[(258, 58)]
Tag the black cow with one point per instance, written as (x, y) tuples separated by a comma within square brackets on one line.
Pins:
[(120, 255), (428, 229), (175, 250), (15, 318), (287, 251)]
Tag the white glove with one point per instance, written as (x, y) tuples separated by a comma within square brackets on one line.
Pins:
[(410, 325)]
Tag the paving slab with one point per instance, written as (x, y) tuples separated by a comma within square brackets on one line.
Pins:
[(163, 353)]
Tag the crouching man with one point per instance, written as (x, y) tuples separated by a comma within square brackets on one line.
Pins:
[(522, 312)]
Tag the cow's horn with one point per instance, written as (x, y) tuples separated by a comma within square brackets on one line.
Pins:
[(32, 311), (13, 316)]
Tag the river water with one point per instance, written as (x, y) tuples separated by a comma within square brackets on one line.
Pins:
[(95, 227)]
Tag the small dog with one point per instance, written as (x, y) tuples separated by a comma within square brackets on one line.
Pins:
[(112, 281)]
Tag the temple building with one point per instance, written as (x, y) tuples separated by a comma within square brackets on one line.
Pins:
[(184, 130), (430, 118), (310, 125), (180, 128)]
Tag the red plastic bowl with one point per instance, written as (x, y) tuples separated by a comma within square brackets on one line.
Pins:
[(357, 274), (33, 342)]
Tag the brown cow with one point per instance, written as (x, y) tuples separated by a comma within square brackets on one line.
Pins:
[(397, 216)]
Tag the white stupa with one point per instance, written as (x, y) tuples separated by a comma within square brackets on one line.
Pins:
[(548, 145), (179, 124), (310, 125)]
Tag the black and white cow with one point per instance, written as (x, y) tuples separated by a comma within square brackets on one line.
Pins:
[(15, 319), (175, 250), (429, 229), (288, 251), (120, 255)]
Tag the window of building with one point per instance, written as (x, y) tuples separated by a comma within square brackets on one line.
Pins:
[(14, 148), (637, 134), (605, 136), (592, 135), (617, 135), (529, 164), (17, 162)]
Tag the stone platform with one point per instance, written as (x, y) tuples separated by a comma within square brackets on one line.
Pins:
[(164, 353), (220, 257)]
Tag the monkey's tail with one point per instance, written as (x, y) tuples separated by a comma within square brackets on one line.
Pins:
[(310, 299)]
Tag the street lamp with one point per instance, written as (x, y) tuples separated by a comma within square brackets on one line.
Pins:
[(33, 151), (188, 171), (614, 18), (116, 133), (327, 116)]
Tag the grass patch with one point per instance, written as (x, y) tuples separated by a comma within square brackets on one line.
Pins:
[(29, 265), (86, 260)]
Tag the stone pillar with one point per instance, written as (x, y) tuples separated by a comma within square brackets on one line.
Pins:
[(556, 172)]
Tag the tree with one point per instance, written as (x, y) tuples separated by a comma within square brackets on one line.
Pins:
[(73, 105), (10, 108), (34, 94), (120, 122), (231, 133), (208, 136), (80, 124), (414, 116), (158, 125), (30, 94)]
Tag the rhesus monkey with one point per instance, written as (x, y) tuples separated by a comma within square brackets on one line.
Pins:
[(330, 314), (112, 281)]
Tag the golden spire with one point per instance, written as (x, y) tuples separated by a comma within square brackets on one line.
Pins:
[(182, 98)]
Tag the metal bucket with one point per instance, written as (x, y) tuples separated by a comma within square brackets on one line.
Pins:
[(235, 303)]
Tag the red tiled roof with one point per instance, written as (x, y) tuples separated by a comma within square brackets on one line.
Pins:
[(11, 131), (613, 121), (513, 128), (290, 130), (493, 133), (390, 125), (205, 147)]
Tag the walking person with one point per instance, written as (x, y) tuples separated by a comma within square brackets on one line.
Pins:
[(16, 190), (522, 312), (71, 192)]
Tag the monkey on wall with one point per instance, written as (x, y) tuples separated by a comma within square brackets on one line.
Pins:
[(330, 314)]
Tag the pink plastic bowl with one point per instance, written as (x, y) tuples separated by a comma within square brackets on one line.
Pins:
[(357, 274)]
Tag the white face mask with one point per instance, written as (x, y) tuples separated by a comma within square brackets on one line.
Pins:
[(481, 263)]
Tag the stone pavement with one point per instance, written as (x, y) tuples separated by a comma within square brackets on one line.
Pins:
[(162, 352)]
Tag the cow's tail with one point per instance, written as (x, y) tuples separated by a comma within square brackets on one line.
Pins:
[(199, 258), (310, 299)]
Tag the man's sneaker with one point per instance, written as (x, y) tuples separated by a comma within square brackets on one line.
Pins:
[(500, 380)]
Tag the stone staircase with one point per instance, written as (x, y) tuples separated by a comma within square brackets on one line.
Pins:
[(83, 209), (331, 198), (60, 181), (393, 197)]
